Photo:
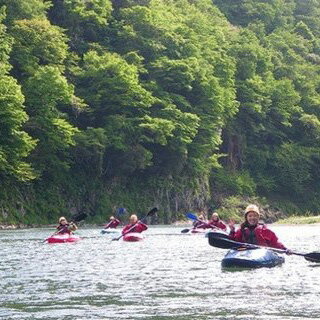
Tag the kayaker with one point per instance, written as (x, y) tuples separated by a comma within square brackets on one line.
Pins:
[(134, 225), (113, 223), (200, 223), (216, 222), (251, 231), (65, 227)]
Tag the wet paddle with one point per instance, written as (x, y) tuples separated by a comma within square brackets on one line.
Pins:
[(216, 240), (193, 217), (150, 213)]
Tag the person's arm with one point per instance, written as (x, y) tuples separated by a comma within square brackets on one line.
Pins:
[(222, 225), (72, 226), (126, 228), (62, 229), (140, 227), (273, 240), (235, 235), (108, 225)]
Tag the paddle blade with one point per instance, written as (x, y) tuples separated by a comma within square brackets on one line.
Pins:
[(78, 217), (217, 241), (219, 234), (191, 216), (152, 212), (313, 256), (185, 230)]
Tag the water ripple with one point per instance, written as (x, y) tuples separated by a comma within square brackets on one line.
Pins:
[(169, 275)]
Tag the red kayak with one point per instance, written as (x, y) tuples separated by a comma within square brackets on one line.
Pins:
[(62, 238), (133, 237)]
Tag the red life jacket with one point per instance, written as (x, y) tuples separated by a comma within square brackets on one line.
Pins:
[(259, 235), (62, 229), (112, 224), (138, 227), (200, 225), (217, 224)]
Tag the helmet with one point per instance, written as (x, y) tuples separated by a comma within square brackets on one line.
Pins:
[(251, 208), (61, 219)]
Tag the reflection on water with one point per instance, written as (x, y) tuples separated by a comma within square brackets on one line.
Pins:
[(169, 275)]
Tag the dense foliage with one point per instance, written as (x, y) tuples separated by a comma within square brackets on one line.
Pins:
[(174, 103)]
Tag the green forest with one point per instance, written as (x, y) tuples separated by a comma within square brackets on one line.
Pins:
[(179, 104)]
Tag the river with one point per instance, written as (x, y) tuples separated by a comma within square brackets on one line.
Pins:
[(169, 275)]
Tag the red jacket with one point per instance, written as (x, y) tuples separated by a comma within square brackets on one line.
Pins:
[(200, 225), (259, 235), (217, 224), (62, 229), (112, 224), (136, 227)]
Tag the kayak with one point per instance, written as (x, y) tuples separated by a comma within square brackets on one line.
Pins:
[(251, 258), (133, 237), (198, 230), (217, 233), (110, 230), (62, 238)]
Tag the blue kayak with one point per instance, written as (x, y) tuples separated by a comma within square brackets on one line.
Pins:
[(251, 258)]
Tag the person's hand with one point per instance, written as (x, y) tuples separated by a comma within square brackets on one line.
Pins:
[(72, 226)]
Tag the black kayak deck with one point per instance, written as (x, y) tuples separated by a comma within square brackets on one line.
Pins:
[(251, 258)]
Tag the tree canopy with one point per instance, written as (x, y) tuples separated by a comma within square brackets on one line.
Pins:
[(171, 102)]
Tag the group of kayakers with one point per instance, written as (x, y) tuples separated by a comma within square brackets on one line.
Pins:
[(213, 223), (134, 225), (250, 231)]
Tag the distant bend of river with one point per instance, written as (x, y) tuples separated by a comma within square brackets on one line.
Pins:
[(168, 275)]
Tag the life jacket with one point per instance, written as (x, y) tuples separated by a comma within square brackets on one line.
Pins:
[(218, 224), (138, 227), (200, 225), (249, 235), (113, 224), (62, 229), (259, 235)]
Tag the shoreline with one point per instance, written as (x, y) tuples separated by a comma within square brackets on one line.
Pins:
[(295, 220)]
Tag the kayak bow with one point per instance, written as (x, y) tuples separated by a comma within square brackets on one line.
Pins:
[(133, 237), (62, 238), (251, 258)]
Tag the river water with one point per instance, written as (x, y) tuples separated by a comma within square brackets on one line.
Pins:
[(169, 275)]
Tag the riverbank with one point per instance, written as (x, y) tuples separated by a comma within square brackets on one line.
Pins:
[(300, 220), (296, 220)]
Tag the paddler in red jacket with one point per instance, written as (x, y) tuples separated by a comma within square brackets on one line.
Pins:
[(134, 225), (113, 223), (215, 222), (200, 223), (65, 227), (251, 231)]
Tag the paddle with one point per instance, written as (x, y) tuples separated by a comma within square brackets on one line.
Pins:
[(216, 240), (192, 217), (75, 218), (150, 213), (78, 217)]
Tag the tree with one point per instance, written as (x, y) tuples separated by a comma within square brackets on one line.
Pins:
[(15, 144)]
